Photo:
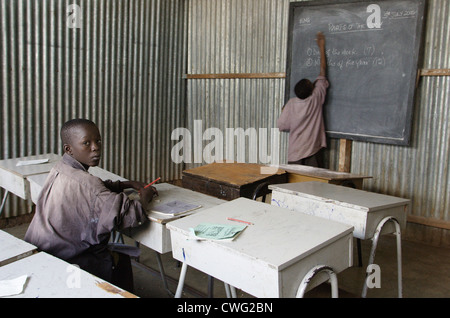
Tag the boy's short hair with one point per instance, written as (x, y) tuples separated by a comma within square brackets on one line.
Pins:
[(304, 88), (67, 127)]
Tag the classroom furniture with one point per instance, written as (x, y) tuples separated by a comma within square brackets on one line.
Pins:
[(272, 256), (37, 181), (371, 214), (13, 178), (13, 249), (154, 234), (302, 173), (51, 277), (229, 181)]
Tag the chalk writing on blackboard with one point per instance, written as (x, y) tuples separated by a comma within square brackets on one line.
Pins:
[(349, 57)]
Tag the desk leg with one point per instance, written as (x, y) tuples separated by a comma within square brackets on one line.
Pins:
[(230, 291), (315, 270), (358, 245), (163, 274), (181, 280), (3, 201), (210, 286), (399, 253)]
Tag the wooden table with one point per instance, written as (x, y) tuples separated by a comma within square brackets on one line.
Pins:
[(301, 173), (371, 214), (13, 249), (271, 257), (13, 178), (51, 277), (229, 181)]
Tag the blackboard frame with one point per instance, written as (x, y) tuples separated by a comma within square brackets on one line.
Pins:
[(417, 52)]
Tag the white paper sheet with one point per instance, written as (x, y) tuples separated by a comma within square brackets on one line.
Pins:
[(13, 286)]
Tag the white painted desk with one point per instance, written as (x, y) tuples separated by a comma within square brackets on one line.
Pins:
[(269, 258), (367, 212), (155, 234), (14, 179), (51, 277), (13, 249)]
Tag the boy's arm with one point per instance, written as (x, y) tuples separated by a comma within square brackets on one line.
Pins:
[(323, 59), (146, 195), (119, 186)]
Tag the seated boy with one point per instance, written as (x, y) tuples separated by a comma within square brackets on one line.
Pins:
[(77, 211)]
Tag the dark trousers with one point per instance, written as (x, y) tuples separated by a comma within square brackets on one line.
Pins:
[(113, 267), (315, 160)]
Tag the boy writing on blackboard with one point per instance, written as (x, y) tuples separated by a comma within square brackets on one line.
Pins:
[(77, 211), (302, 116)]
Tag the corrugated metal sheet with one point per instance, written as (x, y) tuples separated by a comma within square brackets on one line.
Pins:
[(249, 36), (123, 69), (236, 36)]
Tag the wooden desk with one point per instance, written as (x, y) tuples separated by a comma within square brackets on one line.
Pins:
[(13, 249), (13, 178), (51, 277), (269, 258), (229, 181), (371, 214), (301, 173)]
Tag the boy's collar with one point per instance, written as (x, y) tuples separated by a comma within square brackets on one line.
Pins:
[(67, 159)]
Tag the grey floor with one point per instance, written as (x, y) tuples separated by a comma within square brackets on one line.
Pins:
[(426, 273)]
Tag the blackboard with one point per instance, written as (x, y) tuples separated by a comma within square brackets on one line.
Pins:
[(372, 52)]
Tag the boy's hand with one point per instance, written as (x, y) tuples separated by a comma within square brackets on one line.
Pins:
[(146, 195)]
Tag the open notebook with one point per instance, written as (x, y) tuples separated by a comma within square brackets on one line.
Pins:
[(175, 207)]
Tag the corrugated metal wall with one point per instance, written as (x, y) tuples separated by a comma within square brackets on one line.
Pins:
[(122, 68), (236, 36), (250, 36)]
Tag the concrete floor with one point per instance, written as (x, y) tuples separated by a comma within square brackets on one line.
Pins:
[(426, 273)]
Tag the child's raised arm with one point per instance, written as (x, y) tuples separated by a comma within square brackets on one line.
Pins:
[(320, 39)]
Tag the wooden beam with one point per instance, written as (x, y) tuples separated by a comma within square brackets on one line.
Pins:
[(345, 155), (442, 224), (235, 75), (435, 72)]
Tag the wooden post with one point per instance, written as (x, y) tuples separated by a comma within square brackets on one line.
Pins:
[(345, 155)]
